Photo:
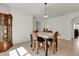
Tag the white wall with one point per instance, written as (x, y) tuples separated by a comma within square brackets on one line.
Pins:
[(22, 26), (35, 26), (4, 8), (22, 23), (62, 24), (34, 23)]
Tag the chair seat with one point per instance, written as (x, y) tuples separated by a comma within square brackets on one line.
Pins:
[(50, 39), (40, 39)]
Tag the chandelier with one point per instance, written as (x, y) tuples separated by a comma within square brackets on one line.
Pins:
[(45, 15)]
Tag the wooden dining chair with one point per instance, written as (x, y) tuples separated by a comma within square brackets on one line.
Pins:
[(53, 41), (36, 41)]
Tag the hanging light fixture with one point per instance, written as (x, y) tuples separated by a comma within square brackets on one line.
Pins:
[(45, 15)]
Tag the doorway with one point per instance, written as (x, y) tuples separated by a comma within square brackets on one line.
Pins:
[(75, 27), (76, 30)]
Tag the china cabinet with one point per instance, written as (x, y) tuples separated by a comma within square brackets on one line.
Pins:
[(5, 32)]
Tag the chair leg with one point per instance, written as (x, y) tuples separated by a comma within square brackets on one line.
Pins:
[(37, 47), (51, 43), (54, 48), (33, 45), (44, 46)]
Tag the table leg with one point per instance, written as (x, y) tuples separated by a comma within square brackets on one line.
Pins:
[(46, 47), (56, 45)]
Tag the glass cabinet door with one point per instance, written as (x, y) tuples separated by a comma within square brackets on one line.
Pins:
[(9, 33), (5, 22), (5, 32), (0, 33), (9, 21), (0, 28), (9, 29), (0, 21)]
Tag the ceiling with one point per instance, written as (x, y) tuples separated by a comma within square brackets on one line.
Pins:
[(53, 9)]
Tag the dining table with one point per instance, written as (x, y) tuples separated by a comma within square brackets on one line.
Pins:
[(45, 35)]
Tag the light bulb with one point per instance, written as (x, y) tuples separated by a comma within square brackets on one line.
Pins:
[(45, 16)]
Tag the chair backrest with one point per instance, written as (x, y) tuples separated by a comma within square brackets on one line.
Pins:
[(34, 35), (54, 36)]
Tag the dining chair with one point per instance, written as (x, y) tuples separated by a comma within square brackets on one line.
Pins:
[(36, 40), (53, 41)]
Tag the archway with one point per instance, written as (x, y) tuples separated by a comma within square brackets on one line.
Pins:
[(75, 27)]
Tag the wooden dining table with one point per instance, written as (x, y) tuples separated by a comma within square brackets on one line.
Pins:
[(45, 35)]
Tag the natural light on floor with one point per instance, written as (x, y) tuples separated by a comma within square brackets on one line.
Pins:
[(19, 52)]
